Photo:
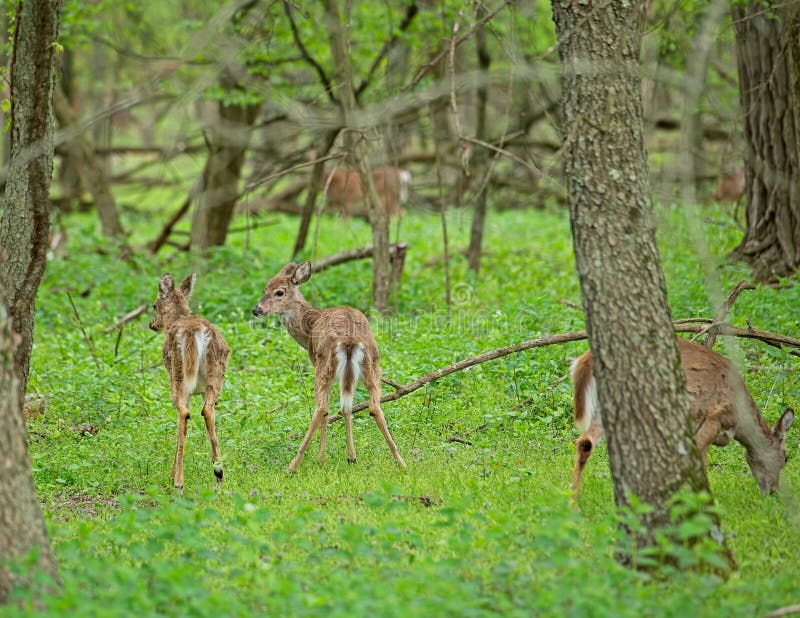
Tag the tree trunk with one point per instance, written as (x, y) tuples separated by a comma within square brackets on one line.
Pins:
[(91, 172), (640, 383), (767, 59), (22, 524), (25, 220), (228, 144), (482, 158), (376, 209)]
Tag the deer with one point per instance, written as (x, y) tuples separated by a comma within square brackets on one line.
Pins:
[(721, 407), (342, 348), (195, 356), (730, 188), (343, 189)]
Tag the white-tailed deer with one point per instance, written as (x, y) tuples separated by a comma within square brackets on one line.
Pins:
[(730, 188), (195, 356), (722, 409), (343, 189), (341, 346)]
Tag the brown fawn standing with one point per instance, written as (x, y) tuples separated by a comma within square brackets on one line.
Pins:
[(343, 189), (730, 188), (341, 346), (721, 406), (195, 356)]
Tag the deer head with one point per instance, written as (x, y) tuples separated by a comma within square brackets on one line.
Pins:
[(171, 303), (281, 294)]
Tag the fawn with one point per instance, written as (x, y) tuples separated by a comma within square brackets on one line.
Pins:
[(343, 189), (730, 188), (721, 406), (195, 356), (341, 346)]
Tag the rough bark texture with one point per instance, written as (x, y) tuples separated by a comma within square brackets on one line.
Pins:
[(228, 144), (767, 58), (25, 220), (21, 521), (376, 209), (641, 387), (90, 171)]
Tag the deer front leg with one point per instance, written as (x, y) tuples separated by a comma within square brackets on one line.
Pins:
[(372, 382), (183, 418), (320, 418), (583, 450)]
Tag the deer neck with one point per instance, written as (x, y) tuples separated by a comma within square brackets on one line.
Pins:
[(762, 453), (300, 321), (173, 316)]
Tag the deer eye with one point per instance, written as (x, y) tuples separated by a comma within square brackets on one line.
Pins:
[(279, 293)]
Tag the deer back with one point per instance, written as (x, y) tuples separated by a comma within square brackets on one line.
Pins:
[(344, 191)]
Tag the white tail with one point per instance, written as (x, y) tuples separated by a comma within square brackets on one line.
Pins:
[(730, 188), (722, 409), (343, 189), (196, 357), (341, 345)]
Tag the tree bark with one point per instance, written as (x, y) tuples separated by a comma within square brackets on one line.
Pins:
[(89, 170), (376, 209), (228, 144), (769, 63), (640, 383), (25, 220)]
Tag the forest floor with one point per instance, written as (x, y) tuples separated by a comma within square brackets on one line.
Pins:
[(478, 524)]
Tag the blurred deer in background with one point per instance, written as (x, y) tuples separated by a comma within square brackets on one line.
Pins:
[(195, 356), (721, 406), (730, 188), (341, 346), (343, 189)]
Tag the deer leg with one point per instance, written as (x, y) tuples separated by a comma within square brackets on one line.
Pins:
[(372, 382), (708, 432), (322, 397), (209, 416), (583, 450), (181, 403), (347, 414), (323, 440)]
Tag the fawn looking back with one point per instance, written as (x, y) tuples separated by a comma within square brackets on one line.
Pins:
[(195, 357), (341, 346), (721, 407)]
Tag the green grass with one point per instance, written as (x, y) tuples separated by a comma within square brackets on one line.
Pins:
[(472, 530)]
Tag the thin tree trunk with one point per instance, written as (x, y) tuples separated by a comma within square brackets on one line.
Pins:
[(640, 382), (82, 159), (482, 158), (228, 144), (767, 59)]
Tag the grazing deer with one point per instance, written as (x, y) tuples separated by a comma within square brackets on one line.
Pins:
[(343, 189), (341, 346), (722, 409), (195, 356), (730, 188)]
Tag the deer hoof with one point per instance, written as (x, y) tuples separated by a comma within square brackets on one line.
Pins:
[(218, 470), (351, 460)]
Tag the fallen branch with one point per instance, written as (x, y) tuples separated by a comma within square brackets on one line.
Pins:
[(680, 326), (783, 611), (355, 254)]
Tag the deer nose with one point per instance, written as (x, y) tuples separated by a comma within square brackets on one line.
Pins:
[(257, 312)]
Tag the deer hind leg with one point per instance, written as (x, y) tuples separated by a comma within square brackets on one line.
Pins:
[(181, 401), (583, 450), (347, 414), (209, 416), (372, 382), (322, 396)]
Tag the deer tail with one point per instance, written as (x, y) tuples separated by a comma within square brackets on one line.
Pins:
[(194, 347), (350, 357)]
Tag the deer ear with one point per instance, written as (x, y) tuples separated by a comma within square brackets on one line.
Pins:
[(188, 285), (166, 286), (288, 270), (783, 424), (302, 273)]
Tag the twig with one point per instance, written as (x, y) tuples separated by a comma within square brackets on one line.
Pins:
[(86, 338), (773, 339), (724, 309), (783, 611), (392, 383), (459, 440), (131, 315)]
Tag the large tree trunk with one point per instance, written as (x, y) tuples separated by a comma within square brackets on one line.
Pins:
[(376, 209), (640, 383), (766, 54), (24, 228), (90, 171), (25, 221), (228, 144)]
